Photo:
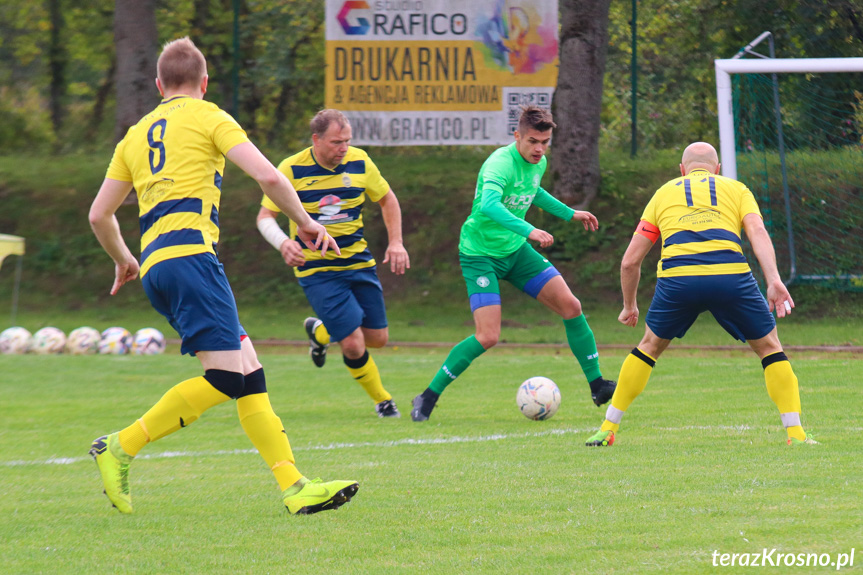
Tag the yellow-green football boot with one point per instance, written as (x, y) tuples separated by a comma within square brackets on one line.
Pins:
[(113, 465), (315, 495), (792, 441), (601, 439)]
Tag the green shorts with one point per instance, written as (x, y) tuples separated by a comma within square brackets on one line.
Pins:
[(525, 268)]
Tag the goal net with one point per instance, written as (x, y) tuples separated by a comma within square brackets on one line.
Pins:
[(792, 131)]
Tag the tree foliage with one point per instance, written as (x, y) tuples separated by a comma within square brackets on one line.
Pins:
[(677, 43), (281, 63)]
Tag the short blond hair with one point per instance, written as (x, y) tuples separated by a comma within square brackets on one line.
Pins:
[(322, 120), (181, 64)]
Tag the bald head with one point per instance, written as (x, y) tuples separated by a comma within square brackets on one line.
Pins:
[(699, 155)]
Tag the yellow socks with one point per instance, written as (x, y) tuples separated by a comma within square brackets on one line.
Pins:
[(365, 371), (322, 335), (783, 390), (780, 379), (179, 407), (134, 438), (267, 434), (631, 382), (186, 401)]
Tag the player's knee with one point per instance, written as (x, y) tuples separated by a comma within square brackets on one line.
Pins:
[(571, 308), (354, 344), (377, 338), (231, 383), (488, 339), (353, 348)]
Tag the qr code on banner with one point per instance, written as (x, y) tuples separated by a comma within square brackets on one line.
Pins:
[(515, 100)]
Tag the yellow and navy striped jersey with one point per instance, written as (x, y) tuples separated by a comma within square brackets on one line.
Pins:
[(175, 157), (335, 199), (700, 216)]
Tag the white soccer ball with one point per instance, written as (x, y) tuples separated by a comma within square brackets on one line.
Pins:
[(83, 340), (115, 341), (15, 340), (48, 340), (538, 398), (148, 341)]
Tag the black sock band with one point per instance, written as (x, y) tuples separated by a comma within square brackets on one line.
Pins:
[(643, 357), (256, 382), (230, 383), (773, 358), (356, 363)]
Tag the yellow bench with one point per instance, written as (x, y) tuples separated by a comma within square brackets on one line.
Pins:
[(13, 246)]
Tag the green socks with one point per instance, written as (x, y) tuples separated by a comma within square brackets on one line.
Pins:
[(583, 346), (578, 334), (458, 360)]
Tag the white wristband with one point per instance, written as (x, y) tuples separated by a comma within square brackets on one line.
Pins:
[(271, 231)]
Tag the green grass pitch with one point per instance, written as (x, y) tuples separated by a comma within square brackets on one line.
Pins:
[(700, 465)]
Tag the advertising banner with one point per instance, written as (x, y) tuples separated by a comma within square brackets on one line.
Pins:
[(431, 72)]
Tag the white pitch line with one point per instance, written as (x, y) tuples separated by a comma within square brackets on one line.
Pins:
[(378, 444), (327, 447)]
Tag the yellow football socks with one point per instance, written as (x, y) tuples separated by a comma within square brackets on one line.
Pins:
[(134, 438), (365, 371), (268, 435), (322, 335), (179, 407), (783, 389), (632, 380), (609, 426)]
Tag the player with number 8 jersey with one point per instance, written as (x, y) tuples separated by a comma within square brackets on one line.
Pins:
[(178, 193), (174, 159)]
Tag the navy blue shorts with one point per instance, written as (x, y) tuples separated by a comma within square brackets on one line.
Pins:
[(734, 300), (346, 300), (193, 294)]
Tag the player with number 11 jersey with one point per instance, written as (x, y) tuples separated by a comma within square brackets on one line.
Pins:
[(699, 216)]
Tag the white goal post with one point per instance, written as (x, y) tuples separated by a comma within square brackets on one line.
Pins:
[(725, 111)]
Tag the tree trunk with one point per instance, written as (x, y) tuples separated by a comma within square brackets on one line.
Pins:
[(105, 89), (577, 100), (57, 62), (137, 50)]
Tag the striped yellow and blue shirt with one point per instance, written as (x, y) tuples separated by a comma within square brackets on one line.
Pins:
[(335, 199), (700, 216), (175, 157)]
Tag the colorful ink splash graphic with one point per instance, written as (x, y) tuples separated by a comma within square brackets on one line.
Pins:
[(515, 39)]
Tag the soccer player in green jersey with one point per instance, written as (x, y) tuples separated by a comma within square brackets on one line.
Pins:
[(493, 246), (702, 268), (174, 158)]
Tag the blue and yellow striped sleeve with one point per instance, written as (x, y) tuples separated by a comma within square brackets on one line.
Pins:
[(376, 186)]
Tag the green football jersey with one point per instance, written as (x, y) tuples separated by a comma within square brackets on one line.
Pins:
[(509, 181)]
